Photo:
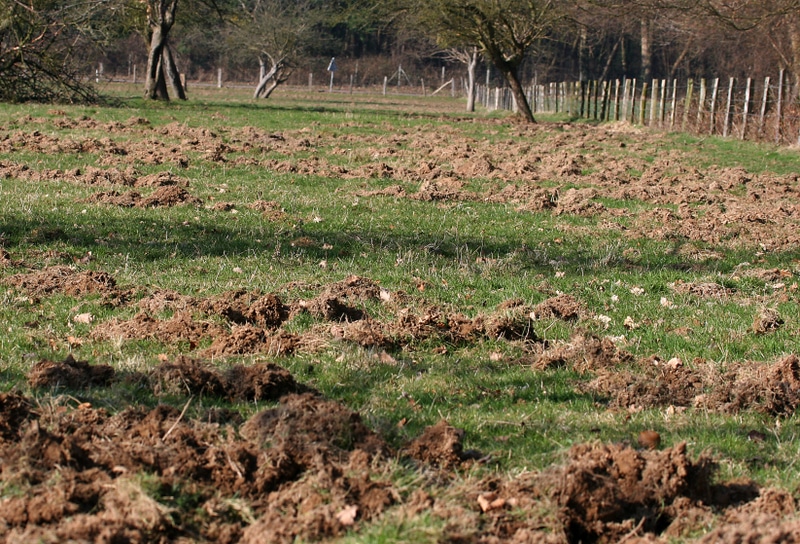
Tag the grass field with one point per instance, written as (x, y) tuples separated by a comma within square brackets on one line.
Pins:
[(229, 320)]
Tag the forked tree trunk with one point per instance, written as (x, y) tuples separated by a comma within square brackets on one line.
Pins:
[(274, 77), (160, 62), (262, 84)]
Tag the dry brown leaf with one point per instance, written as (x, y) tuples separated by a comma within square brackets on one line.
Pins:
[(347, 516)]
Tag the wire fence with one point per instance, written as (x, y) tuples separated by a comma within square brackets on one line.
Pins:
[(747, 109)]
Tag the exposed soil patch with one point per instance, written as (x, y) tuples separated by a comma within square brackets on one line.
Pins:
[(585, 353), (69, 373), (310, 468), (165, 196), (69, 281)]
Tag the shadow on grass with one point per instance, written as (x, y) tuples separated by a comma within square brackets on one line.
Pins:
[(163, 239)]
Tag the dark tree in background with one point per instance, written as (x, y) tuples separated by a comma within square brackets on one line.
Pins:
[(505, 31), (43, 45)]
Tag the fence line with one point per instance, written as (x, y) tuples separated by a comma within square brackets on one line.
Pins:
[(747, 109)]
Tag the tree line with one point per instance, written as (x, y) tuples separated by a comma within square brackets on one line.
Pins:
[(46, 46)]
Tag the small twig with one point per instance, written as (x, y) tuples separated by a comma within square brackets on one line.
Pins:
[(633, 532), (163, 438)]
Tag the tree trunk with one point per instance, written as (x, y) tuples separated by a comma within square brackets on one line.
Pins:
[(794, 40), (160, 64), (646, 49), (607, 67), (268, 90), (471, 87), (155, 87), (523, 108), (171, 72), (275, 74), (582, 54), (262, 85)]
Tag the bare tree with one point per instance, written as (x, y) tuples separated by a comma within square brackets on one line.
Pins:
[(469, 57), (41, 49), (505, 31), (277, 33)]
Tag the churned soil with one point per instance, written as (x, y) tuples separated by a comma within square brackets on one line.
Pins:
[(309, 468)]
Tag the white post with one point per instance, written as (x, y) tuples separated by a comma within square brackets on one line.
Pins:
[(385, 81), (701, 103), (653, 102), (330, 87), (713, 111), (310, 81), (674, 104), (779, 109), (746, 110), (134, 74), (763, 111), (219, 78), (625, 92), (728, 109)]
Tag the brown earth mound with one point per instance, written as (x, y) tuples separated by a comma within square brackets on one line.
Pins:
[(440, 445), (264, 381), (69, 373), (69, 281), (584, 353), (609, 491), (186, 376), (304, 474)]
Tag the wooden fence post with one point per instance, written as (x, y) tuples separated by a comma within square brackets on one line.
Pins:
[(625, 86), (662, 105), (616, 100), (674, 104), (633, 101), (746, 109), (597, 99), (653, 103), (643, 103), (713, 112), (763, 112), (582, 111), (687, 103), (604, 103), (779, 113), (701, 103), (727, 124)]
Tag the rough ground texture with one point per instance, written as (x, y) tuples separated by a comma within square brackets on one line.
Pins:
[(309, 468)]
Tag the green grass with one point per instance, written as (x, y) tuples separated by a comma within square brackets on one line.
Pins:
[(469, 256)]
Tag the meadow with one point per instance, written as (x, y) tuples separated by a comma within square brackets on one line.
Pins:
[(366, 318)]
